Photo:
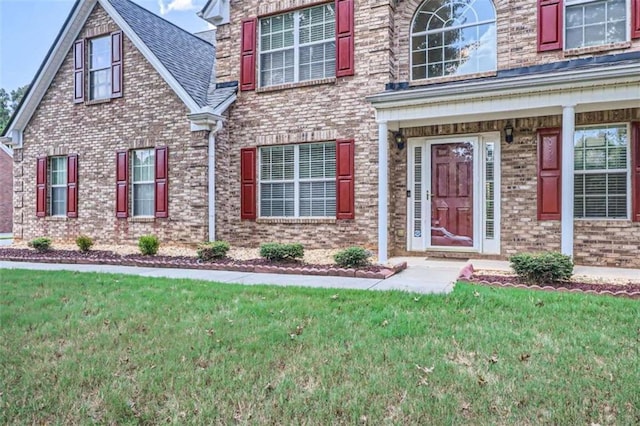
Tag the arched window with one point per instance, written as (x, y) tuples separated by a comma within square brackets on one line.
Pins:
[(453, 37)]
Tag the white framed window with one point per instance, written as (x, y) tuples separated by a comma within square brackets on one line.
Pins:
[(298, 46), (453, 38), (58, 187), (298, 180), (143, 182), (100, 68), (601, 167), (594, 23)]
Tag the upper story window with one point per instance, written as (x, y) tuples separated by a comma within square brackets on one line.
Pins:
[(100, 68), (97, 68), (594, 23), (451, 38), (298, 46)]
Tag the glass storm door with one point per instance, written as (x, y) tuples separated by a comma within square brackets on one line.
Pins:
[(442, 184)]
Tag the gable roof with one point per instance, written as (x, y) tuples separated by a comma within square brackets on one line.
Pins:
[(183, 60), (187, 57)]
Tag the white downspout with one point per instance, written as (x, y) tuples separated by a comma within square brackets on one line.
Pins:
[(212, 180)]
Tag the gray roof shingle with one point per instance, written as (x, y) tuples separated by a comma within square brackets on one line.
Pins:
[(187, 57)]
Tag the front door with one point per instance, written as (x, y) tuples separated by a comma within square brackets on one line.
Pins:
[(443, 183), (452, 194)]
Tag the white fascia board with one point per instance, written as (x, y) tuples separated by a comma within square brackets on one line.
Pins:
[(49, 69), (6, 149), (592, 95), (510, 86), (216, 12), (225, 105), (153, 60)]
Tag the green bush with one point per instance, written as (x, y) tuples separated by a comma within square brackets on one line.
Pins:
[(541, 268), (213, 250), (148, 245), (40, 244), (352, 257), (84, 243), (277, 252)]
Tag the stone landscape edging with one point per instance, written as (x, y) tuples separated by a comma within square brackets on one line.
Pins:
[(621, 293), (329, 270)]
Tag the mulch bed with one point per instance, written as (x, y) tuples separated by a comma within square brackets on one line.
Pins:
[(101, 257), (631, 290)]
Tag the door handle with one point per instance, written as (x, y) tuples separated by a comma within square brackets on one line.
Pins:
[(427, 195)]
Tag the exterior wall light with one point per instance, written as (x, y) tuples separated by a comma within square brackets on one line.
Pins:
[(508, 133), (400, 140)]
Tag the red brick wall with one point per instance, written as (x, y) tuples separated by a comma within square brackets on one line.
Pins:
[(6, 192)]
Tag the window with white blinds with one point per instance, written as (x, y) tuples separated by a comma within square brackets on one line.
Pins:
[(58, 188), (143, 181), (298, 180), (298, 46), (601, 188)]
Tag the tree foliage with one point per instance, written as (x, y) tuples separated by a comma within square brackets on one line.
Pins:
[(9, 103)]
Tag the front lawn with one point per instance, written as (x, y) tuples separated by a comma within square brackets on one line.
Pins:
[(82, 348)]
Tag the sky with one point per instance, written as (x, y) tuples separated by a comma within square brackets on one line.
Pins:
[(28, 28)]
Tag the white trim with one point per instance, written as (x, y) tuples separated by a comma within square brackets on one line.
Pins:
[(59, 52), (216, 12), (480, 243), (383, 188), (6, 149), (568, 177), (146, 52)]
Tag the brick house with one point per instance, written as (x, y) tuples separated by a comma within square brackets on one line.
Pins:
[(464, 129), (6, 189)]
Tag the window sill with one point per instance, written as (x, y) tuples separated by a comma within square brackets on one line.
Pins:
[(330, 80), (601, 219), (596, 49), (296, 220), (449, 78), (141, 219), (56, 218), (97, 101)]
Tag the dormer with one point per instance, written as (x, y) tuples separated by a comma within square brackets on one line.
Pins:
[(216, 12)]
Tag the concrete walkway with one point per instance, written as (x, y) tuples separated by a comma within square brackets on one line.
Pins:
[(422, 276), (6, 239)]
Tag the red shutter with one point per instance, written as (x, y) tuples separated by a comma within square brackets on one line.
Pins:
[(345, 205), (549, 174), (72, 186), (122, 178), (248, 183), (116, 64), (635, 18), (549, 25), (41, 187), (162, 182), (248, 54), (344, 38), (635, 171), (78, 71)]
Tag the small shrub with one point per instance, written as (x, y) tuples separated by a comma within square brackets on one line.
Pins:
[(278, 252), (40, 244), (148, 245), (213, 250), (84, 243), (540, 268), (352, 257)]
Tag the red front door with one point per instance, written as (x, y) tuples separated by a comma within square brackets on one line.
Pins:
[(452, 194)]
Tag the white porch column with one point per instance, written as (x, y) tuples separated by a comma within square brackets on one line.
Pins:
[(212, 186), (568, 129), (383, 198)]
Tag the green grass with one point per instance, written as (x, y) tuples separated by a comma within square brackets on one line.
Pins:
[(96, 348)]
